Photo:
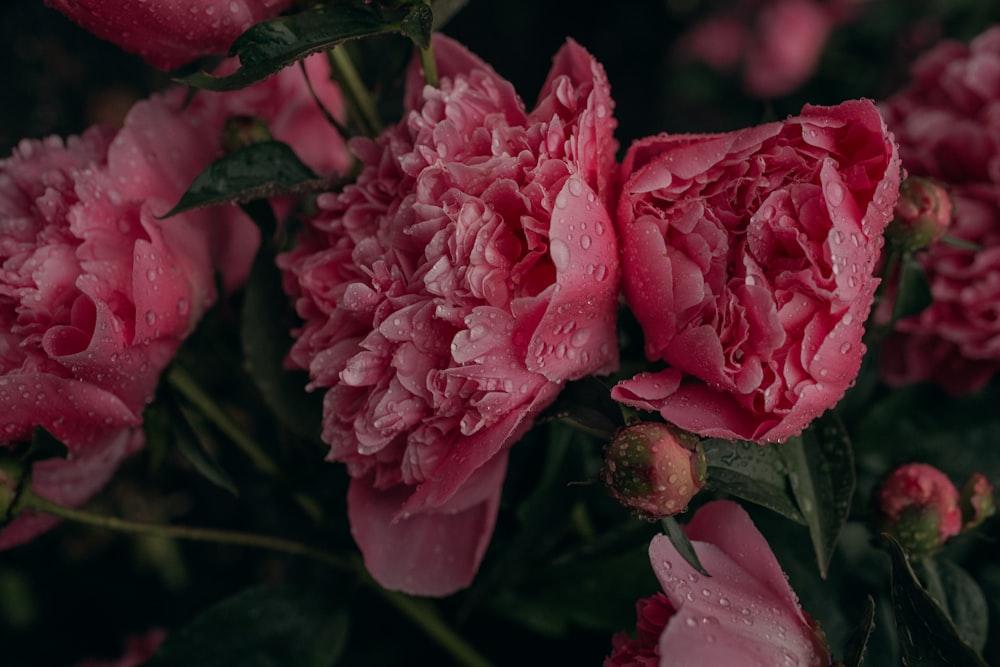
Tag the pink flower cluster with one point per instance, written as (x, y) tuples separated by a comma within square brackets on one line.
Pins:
[(97, 292), (948, 126), (745, 613), (449, 294)]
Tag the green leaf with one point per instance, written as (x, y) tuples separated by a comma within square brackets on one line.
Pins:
[(418, 24), (191, 448), (820, 466), (680, 540), (914, 292), (958, 594), (254, 171), (269, 46), (927, 636), (272, 626), (753, 472), (587, 405), (857, 643), (265, 338)]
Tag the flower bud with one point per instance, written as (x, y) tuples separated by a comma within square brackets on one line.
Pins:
[(918, 505), (922, 215), (654, 469), (977, 501)]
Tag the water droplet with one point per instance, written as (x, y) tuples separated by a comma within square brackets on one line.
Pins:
[(560, 254), (580, 338), (845, 348), (835, 193), (561, 200), (575, 187), (150, 317), (585, 241), (600, 272)]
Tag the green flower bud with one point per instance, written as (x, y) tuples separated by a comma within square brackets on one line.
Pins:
[(922, 215), (654, 469)]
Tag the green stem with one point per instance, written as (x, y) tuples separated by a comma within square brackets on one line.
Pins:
[(186, 385), (420, 612), (429, 64), (424, 615), (28, 500), (356, 91)]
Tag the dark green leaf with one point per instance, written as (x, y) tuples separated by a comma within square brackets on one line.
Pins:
[(857, 643), (269, 46), (260, 627), (680, 540), (820, 466), (192, 449), (958, 595), (254, 171), (753, 472), (44, 445), (587, 405), (927, 636), (418, 24), (265, 338), (914, 292)]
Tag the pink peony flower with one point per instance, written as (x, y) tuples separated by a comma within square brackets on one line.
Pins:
[(948, 126), (748, 261), (449, 294), (744, 614), (97, 292), (919, 506), (170, 34)]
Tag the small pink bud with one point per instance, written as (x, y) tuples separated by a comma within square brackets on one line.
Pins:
[(918, 505), (923, 213), (977, 501), (654, 469)]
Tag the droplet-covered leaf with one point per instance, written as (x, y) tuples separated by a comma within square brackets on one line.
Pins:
[(269, 46), (753, 472), (273, 626), (927, 636), (820, 466), (255, 171)]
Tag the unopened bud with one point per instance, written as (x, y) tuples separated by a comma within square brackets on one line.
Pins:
[(918, 505), (977, 501), (923, 213), (654, 469)]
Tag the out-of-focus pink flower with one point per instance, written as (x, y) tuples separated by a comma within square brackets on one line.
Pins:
[(748, 260), (948, 127), (918, 505), (654, 469), (744, 614), (449, 294), (97, 292), (777, 43), (789, 41), (138, 650), (170, 34)]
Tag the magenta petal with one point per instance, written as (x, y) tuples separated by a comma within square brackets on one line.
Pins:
[(745, 613), (435, 552), (577, 334)]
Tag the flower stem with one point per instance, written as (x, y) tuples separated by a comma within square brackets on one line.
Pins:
[(424, 615), (429, 64), (420, 612), (29, 500), (354, 89), (186, 385)]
